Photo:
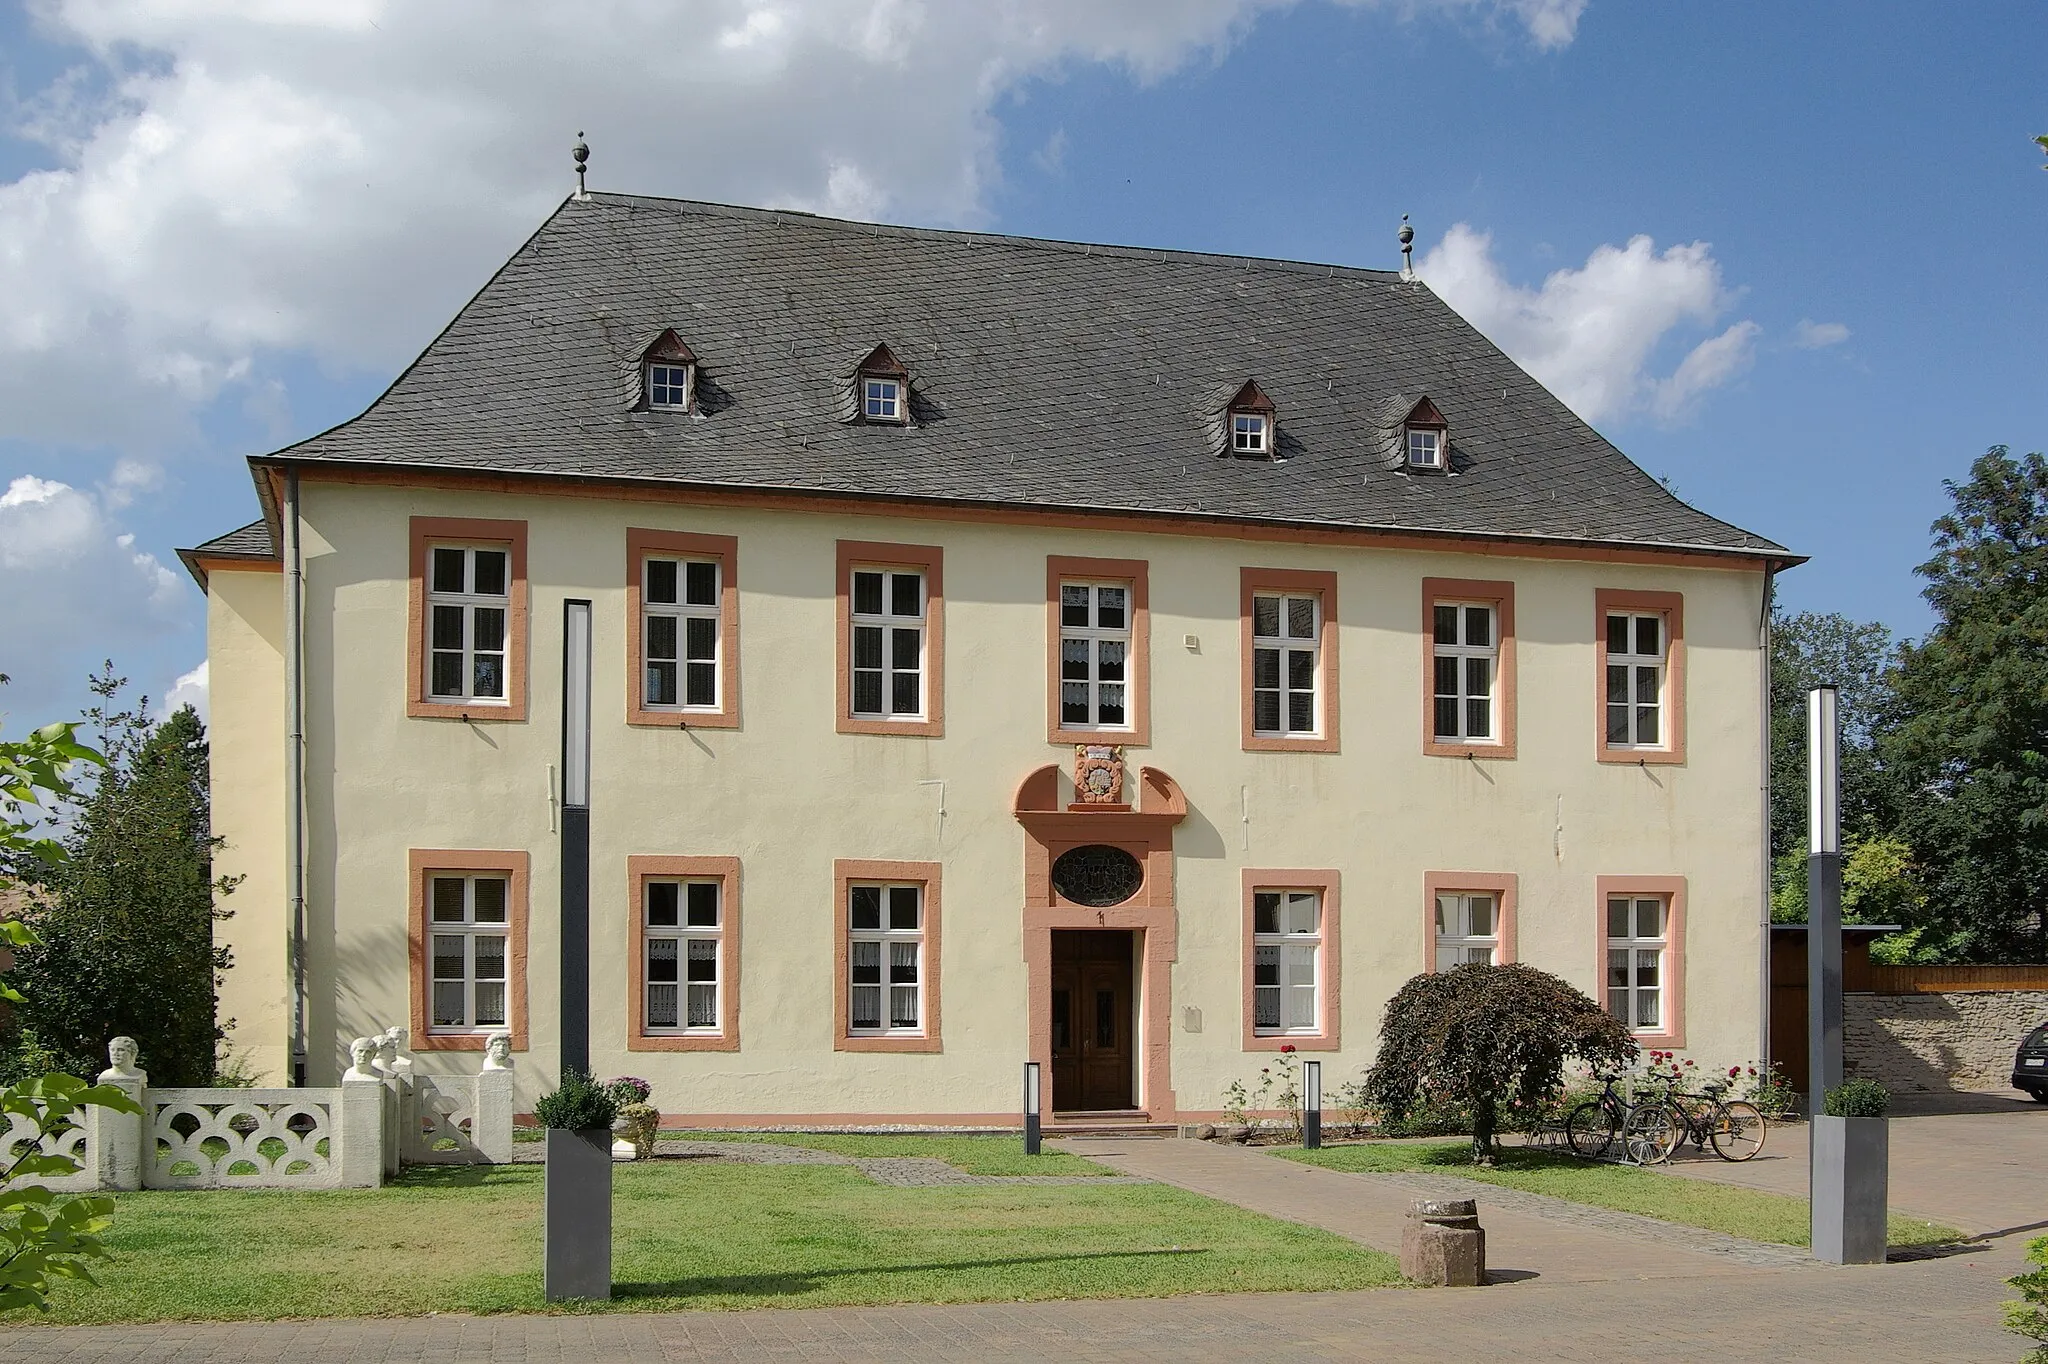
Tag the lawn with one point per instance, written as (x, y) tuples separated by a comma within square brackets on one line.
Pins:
[(1749, 1213), (976, 1155), (690, 1234)]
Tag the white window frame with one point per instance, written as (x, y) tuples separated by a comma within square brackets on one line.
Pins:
[(1284, 941), (1251, 433), (683, 933), (889, 624), (1454, 933), (1463, 694), (886, 939), (1286, 647), (1637, 946), (661, 381), (1425, 447), (469, 602), (469, 929), (1632, 666), (881, 398), (682, 611), (1092, 636)]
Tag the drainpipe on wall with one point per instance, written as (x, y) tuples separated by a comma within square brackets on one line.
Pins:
[(295, 769), (1763, 1044)]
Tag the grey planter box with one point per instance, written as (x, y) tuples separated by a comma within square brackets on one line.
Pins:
[(578, 1214), (1851, 1175)]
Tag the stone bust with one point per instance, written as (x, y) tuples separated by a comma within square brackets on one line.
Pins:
[(498, 1051), (362, 1055), (388, 1059), (123, 1053)]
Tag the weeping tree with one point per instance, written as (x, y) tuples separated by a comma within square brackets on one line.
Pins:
[(1490, 1039)]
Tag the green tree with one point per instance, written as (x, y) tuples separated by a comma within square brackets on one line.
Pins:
[(126, 918), (1492, 1040), (1970, 745), (1808, 650)]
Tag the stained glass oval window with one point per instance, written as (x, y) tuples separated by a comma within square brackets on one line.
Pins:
[(1097, 875)]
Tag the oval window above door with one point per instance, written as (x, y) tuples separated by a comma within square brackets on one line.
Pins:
[(1097, 875)]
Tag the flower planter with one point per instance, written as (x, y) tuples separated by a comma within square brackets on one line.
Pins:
[(578, 1211), (1850, 1179)]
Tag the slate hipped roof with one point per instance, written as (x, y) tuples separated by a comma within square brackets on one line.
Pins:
[(1043, 375)]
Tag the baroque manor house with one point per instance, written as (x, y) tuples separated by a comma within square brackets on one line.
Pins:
[(997, 650)]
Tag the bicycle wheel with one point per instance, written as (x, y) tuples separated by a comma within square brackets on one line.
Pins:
[(1649, 1135), (1738, 1131), (1591, 1128)]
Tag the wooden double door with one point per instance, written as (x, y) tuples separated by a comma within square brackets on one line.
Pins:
[(1094, 1016)]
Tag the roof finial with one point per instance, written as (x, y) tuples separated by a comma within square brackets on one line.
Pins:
[(581, 151), (1407, 248)]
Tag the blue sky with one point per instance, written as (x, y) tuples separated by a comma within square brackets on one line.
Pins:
[(223, 229)]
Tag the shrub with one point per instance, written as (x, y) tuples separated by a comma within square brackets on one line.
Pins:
[(2029, 1316), (1492, 1039), (640, 1124), (580, 1102), (1858, 1099)]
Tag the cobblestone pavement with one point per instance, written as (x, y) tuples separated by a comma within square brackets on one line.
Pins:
[(903, 1172), (1938, 1310)]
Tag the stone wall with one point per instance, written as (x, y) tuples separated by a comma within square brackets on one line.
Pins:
[(1928, 1042)]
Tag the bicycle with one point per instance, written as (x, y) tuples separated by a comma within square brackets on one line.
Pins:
[(1647, 1132), (1734, 1128)]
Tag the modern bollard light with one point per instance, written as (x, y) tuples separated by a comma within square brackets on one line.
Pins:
[(1031, 1134), (1311, 1105)]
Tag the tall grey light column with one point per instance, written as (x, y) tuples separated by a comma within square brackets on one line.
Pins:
[(1848, 1157), (577, 1201)]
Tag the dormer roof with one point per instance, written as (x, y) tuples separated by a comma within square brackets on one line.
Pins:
[(1251, 398), (670, 347), (881, 362)]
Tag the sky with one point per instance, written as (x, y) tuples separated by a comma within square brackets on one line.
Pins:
[(1791, 259)]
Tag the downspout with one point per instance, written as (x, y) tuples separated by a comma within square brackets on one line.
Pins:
[(295, 768), (1763, 1049)]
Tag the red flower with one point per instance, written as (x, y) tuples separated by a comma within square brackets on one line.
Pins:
[(1286, 1047), (1733, 1071)]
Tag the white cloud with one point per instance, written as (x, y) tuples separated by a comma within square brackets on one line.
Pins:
[(1811, 335), (130, 479), (76, 591), (238, 178), (1591, 334), (189, 690)]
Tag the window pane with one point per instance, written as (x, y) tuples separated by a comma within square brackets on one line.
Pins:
[(1301, 712), (661, 1006), (1109, 607), (1646, 686), (1646, 968), (487, 628), (703, 897), (867, 593), (902, 962), (1479, 626), (661, 684), (1266, 1006), (703, 965), (906, 594), (1481, 907), (448, 1005), (1112, 706), (1266, 712), (661, 960), (1301, 617), (447, 679), (661, 636), (448, 570), (1649, 635), (1265, 966), (448, 900), (1446, 624), (449, 962), (662, 906), (1301, 669), (866, 961), (1479, 719), (490, 573), (700, 638), (447, 627), (1265, 667), (1266, 616), (490, 956), (703, 1006), (866, 1006), (865, 911), (904, 647), (1447, 717), (703, 684), (903, 907), (1265, 912), (1617, 970), (1617, 918), (1446, 916), (903, 696), (1617, 724), (867, 646), (490, 675), (1649, 918), (1073, 604), (867, 693), (1646, 725), (1074, 659), (903, 1006), (1109, 655), (1617, 683), (1647, 1011), (1447, 675), (1478, 677), (1074, 703), (701, 582), (1301, 913), (489, 899), (661, 580), (1617, 634)]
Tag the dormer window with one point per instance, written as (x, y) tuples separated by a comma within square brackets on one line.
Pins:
[(668, 375), (1425, 447), (882, 400), (1249, 423), (881, 389), (1251, 433), (1425, 437)]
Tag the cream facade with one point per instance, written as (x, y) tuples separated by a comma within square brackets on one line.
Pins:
[(1382, 816)]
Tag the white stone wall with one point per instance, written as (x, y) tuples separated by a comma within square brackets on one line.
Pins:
[(1963, 1039)]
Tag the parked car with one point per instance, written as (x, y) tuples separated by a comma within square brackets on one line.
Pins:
[(2030, 1066)]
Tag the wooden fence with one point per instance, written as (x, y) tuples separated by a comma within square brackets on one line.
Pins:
[(1928, 980)]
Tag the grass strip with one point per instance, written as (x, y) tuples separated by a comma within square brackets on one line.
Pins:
[(977, 1155), (688, 1234), (1749, 1213)]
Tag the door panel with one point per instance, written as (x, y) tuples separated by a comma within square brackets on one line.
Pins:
[(1092, 1019)]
